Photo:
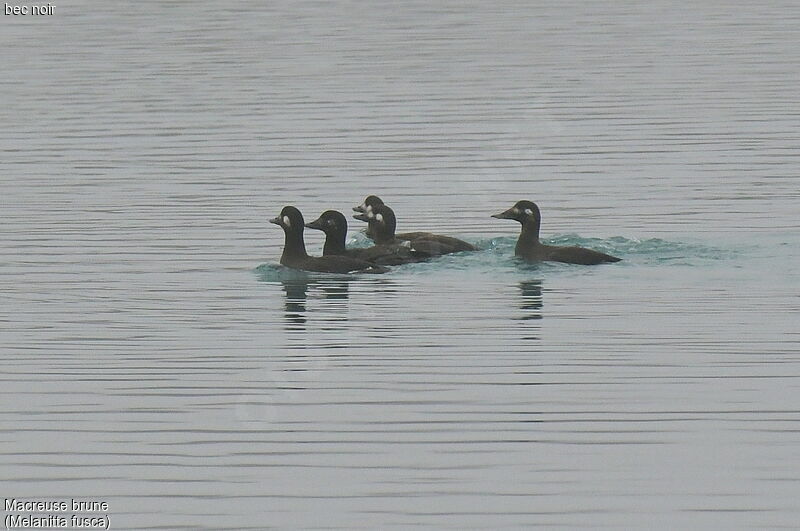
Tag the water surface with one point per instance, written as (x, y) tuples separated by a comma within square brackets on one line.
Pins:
[(156, 357)]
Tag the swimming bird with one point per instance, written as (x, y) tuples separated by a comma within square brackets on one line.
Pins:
[(366, 207), (373, 201), (382, 223), (531, 249), (453, 245), (334, 225), (295, 255), (369, 203)]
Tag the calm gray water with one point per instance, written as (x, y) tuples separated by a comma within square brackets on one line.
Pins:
[(155, 357)]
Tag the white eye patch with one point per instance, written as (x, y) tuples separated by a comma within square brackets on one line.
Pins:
[(286, 221), (379, 217), (367, 207), (370, 215), (528, 211)]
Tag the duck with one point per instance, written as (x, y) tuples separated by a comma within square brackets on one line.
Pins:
[(366, 207), (373, 202), (294, 250), (530, 249), (334, 225), (382, 223)]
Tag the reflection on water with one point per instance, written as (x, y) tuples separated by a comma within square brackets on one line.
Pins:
[(296, 293), (141, 150), (531, 294)]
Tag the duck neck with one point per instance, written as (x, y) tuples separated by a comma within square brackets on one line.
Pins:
[(383, 236), (334, 244), (294, 246), (529, 234), (371, 233)]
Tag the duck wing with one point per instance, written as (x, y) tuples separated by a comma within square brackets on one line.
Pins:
[(388, 254), (448, 243), (579, 255), (342, 264)]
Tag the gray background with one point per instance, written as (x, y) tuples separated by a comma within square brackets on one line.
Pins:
[(148, 361)]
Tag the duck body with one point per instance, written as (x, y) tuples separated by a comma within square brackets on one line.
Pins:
[(540, 252), (295, 256), (334, 225), (387, 254), (530, 249), (330, 264), (382, 231), (446, 243)]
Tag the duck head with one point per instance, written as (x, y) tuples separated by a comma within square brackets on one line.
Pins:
[(523, 211), (369, 204), (290, 219), (382, 222), (330, 222)]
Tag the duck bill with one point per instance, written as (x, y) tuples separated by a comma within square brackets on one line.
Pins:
[(361, 217), (359, 208), (504, 215), (316, 224), (276, 221)]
